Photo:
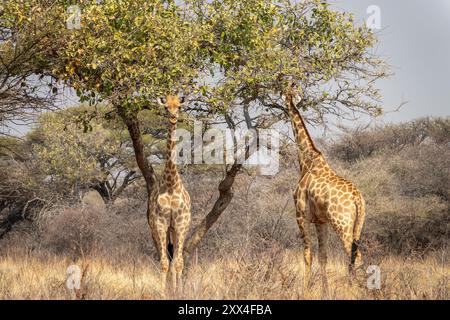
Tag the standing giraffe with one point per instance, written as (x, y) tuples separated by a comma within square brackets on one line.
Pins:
[(329, 198), (170, 221)]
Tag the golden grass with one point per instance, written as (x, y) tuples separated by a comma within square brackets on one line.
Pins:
[(269, 275)]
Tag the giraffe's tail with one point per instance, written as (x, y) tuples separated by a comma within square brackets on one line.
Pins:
[(357, 227), (169, 245)]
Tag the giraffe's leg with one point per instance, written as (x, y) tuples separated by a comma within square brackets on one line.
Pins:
[(304, 226), (322, 235), (173, 274), (178, 260), (153, 233), (161, 226), (357, 227), (344, 229)]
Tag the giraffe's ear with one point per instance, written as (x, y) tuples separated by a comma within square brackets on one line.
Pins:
[(161, 102), (297, 99)]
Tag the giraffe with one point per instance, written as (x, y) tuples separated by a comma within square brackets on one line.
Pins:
[(169, 223), (330, 199)]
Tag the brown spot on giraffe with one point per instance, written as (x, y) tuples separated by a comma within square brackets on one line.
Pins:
[(322, 197), (170, 222)]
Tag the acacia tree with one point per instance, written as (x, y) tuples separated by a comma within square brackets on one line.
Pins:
[(260, 46), (27, 43), (130, 52)]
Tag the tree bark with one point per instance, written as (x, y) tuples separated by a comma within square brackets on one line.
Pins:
[(225, 196), (149, 174)]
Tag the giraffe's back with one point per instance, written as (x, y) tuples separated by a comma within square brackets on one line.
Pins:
[(328, 194)]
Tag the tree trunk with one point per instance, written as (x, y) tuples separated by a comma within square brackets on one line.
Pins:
[(225, 196), (126, 181), (151, 180), (102, 190)]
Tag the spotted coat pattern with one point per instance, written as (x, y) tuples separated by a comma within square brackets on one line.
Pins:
[(170, 221), (322, 197)]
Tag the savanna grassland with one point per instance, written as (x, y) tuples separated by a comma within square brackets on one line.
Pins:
[(253, 251)]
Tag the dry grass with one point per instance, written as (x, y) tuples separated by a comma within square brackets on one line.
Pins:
[(274, 274), (254, 250)]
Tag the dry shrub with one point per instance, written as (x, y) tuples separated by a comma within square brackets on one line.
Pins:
[(72, 231), (424, 170), (362, 142), (92, 229)]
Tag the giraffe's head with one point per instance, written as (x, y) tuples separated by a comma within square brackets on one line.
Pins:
[(289, 92), (293, 93), (172, 104)]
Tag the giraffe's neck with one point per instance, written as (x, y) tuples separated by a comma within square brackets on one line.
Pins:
[(307, 151), (171, 176)]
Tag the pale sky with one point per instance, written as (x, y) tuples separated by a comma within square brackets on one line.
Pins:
[(415, 40)]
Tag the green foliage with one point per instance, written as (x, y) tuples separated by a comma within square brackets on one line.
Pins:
[(133, 51), (257, 46), (130, 52), (27, 29)]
